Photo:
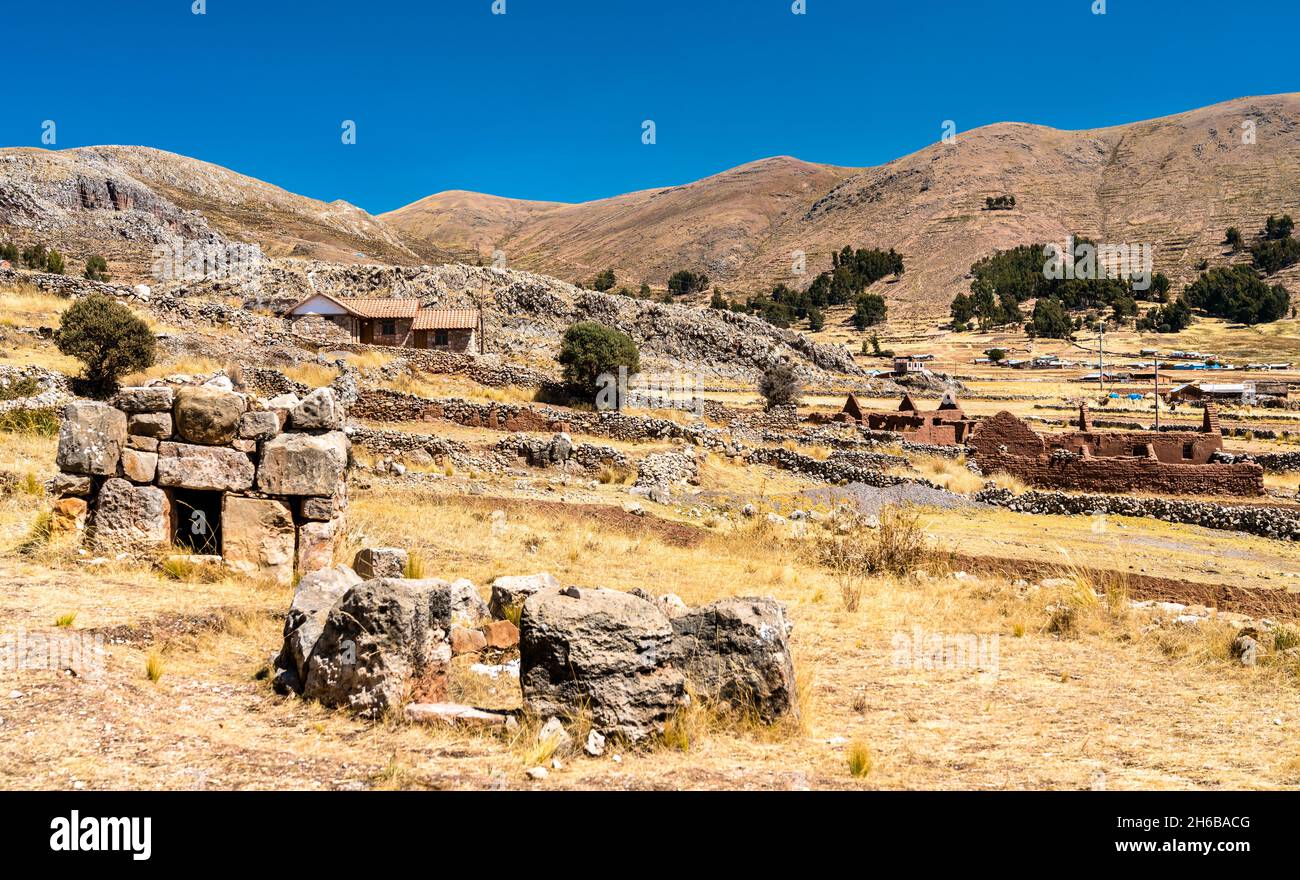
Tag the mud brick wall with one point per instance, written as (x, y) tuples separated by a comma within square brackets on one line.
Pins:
[(1078, 473)]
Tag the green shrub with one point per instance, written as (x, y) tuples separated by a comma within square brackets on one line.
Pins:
[(97, 269), (780, 386), (589, 349), (108, 338)]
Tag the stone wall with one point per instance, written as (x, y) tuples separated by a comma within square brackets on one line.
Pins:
[(261, 483), (1264, 520)]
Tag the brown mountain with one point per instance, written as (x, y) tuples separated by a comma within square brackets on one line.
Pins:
[(1176, 183)]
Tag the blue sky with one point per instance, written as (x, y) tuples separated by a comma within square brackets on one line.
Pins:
[(547, 101)]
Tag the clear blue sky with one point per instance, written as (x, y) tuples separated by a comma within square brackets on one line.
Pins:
[(547, 101)]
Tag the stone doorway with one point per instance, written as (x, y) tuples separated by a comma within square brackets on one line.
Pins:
[(197, 521)]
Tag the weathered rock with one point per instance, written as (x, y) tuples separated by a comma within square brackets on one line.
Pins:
[(467, 606), (209, 468), (62, 485), (303, 464), (316, 595), (466, 641), (501, 634), (157, 425), (69, 515), (316, 544), (319, 509), (553, 732), (257, 537), (595, 744), (381, 562), (737, 650), (152, 399), (455, 714), (208, 415), (128, 516), (511, 591), (259, 425), (139, 467), (91, 438), (144, 444), (384, 639), (318, 411), (604, 654)]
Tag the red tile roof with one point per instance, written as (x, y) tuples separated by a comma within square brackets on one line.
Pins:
[(446, 319)]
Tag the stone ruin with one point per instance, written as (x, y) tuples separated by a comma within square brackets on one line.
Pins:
[(945, 426), (1089, 460), (262, 484), (624, 662)]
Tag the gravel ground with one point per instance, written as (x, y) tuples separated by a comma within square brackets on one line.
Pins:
[(870, 499)]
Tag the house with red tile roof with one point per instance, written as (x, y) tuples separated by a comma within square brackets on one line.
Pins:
[(398, 321)]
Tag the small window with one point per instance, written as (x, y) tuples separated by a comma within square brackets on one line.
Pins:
[(1140, 450), (389, 328), (441, 337), (1189, 450)]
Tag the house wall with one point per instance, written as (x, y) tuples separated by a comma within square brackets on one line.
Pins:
[(464, 341), (324, 328), (402, 331)]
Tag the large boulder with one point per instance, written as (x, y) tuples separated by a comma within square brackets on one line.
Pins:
[(208, 415), (737, 651), (313, 599), (384, 641), (381, 562), (602, 654), (319, 411), (257, 537), (511, 591), (207, 468), (131, 517), (303, 464), (91, 438)]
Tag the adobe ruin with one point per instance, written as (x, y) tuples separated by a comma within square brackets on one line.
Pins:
[(209, 471), (945, 426), (1089, 460)]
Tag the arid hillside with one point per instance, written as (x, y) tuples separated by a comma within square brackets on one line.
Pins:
[(1176, 183), (123, 201)]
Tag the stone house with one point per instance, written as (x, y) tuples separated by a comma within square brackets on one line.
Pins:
[(395, 321), (205, 470)]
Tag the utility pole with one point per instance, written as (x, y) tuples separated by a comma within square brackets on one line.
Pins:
[(1156, 361), (1101, 356)]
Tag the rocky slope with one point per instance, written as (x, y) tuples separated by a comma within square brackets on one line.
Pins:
[(124, 201)]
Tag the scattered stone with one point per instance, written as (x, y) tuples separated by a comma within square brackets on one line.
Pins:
[(595, 744), (501, 634), (537, 773), (316, 545), (381, 562), (467, 606), (466, 641), (511, 591), (605, 655), (383, 639), (456, 715), (69, 515), (737, 651), (553, 732)]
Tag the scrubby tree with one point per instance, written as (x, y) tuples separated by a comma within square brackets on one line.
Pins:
[(1233, 239), (685, 282), (54, 262), (589, 349), (816, 320), (869, 310), (996, 354), (1237, 294), (108, 338), (34, 257), (97, 268), (8, 251), (604, 281), (718, 301), (780, 386), (1171, 318), (1050, 320)]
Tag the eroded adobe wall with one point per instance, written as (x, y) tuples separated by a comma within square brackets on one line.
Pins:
[(1065, 470)]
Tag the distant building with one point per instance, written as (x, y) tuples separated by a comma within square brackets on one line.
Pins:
[(910, 364), (388, 321), (945, 426)]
